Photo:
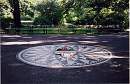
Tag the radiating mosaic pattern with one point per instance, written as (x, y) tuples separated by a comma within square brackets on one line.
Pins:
[(64, 56)]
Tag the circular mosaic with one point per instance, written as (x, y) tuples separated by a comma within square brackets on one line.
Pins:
[(64, 56)]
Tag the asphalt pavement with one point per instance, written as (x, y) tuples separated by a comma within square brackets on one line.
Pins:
[(115, 70)]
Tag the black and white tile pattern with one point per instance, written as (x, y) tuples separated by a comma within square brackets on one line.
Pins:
[(64, 56)]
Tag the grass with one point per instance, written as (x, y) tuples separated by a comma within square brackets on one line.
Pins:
[(64, 31)]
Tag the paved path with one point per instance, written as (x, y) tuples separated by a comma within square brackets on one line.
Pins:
[(16, 72)]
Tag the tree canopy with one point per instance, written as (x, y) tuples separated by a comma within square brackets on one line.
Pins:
[(55, 12)]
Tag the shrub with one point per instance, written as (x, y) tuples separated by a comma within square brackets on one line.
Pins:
[(5, 22), (26, 18), (41, 20), (50, 13)]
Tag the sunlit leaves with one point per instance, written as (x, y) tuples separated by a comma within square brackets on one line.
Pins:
[(120, 5), (73, 11), (27, 8), (50, 10), (4, 8)]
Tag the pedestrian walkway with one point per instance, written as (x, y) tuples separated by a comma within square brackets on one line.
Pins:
[(15, 71)]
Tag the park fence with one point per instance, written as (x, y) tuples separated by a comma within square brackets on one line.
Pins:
[(51, 29)]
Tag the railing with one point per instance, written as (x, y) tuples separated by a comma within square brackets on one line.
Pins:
[(50, 31), (43, 29)]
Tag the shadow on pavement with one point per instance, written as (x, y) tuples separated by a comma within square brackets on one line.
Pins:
[(16, 72)]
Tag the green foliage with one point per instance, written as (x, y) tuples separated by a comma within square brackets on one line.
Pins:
[(120, 5), (73, 10), (50, 12), (27, 8), (5, 22), (112, 19), (41, 20), (26, 18), (99, 4), (4, 8), (126, 19), (78, 12)]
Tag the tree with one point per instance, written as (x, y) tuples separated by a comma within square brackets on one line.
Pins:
[(73, 10), (26, 8), (121, 10), (50, 13), (16, 12), (97, 6), (3, 7), (5, 14)]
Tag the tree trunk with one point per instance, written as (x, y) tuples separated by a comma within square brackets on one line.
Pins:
[(16, 12)]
